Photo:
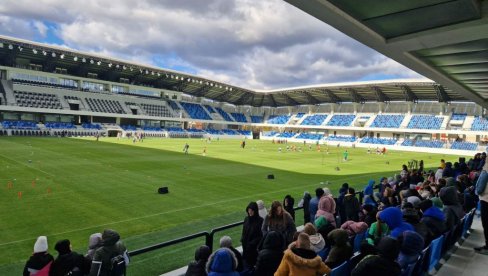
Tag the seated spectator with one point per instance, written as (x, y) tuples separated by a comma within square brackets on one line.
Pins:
[(262, 210), (453, 211), (369, 214), (301, 260), (270, 254), (280, 221), (433, 218), (222, 263), (68, 262), (389, 198), (351, 205), (323, 226), (317, 242), (226, 242), (94, 242), (288, 203), (412, 245), (412, 216), (352, 228), (327, 209), (40, 261), (365, 249), (112, 246), (392, 216), (251, 234), (382, 264), (340, 251), (378, 230), (197, 267)]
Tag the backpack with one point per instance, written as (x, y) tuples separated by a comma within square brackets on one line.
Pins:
[(117, 266)]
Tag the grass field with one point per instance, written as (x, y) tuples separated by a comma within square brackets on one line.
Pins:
[(72, 188)]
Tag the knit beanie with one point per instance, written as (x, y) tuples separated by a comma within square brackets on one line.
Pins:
[(63, 247), (41, 244), (437, 202), (412, 243)]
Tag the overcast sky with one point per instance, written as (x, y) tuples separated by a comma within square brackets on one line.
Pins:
[(257, 44)]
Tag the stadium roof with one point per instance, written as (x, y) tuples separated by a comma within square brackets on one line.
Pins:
[(444, 40), (21, 53)]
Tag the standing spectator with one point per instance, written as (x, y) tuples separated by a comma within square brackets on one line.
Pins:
[(280, 221), (314, 203), (327, 207), (262, 209), (340, 251), (301, 260), (351, 205), (452, 209), (222, 263), (40, 260), (305, 203), (94, 242), (251, 234), (197, 267), (67, 261), (288, 203), (340, 201), (111, 246), (382, 264), (270, 255), (226, 242), (482, 191)]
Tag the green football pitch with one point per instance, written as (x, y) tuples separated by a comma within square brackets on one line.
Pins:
[(68, 188)]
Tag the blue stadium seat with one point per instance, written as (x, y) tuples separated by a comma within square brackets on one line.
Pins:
[(278, 119), (224, 114), (341, 270), (341, 120), (464, 145), (257, 119), (380, 141), (479, 123), (388, 121), (195, 111), (341, 138), (435, 252), (309, 136), (239, 117), (425, 122), (314, 120)]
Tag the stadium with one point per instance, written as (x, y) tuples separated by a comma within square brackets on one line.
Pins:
[(170, 160)]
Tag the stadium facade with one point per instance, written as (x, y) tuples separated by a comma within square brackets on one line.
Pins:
[(48, 90)]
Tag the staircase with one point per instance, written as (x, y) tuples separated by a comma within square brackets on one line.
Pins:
[(8, 92)]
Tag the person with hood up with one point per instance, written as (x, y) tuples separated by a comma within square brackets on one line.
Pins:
[(305, 203), (288, 203), (327, 208), (222, 262), (340, 251), (94, 242), (412, 216), (368, 194), (412, 245), (323, 226), (392, 216), (301, 260), (68, 261), (40, 259), (197, 267), (251, 234), (453, 211), (111, 246), (280, 221), (263, 212), (354, 228), (351, 205), (317, 242), (382, 264), (340, 201), (226, 242), (314, 203), (270, 254), (433, 218)]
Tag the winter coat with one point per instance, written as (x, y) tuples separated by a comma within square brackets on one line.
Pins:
[(434, 219), (94, 242), (289, 207), (251, 235), (262, 210), (351, 207), (412, 216), (68, 262), (303, 262), (111, 248), (197, 267), (313, 207), (285, 227), (369, 188), (222, 263), (411, 247), (269, 257), (354, 228), (326, 208), (340, 251), (323, 227), (305, 203), (392, 216), (376, 265), (452, 209), (36, 262)]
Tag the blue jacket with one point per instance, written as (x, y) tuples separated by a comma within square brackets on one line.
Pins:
[(222, 263), (313, 207), (434, 218), (369, 189), (393, 217)]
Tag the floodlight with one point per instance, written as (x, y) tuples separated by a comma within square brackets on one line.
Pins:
[(99, 63), (92, 61), (10, 46), (110, 65), (1, 45), (75, 58), (83, 59), (61, 56), (117, 66), (34, 51), (123, 67), (20, 48), (53, 54), (44, 53)]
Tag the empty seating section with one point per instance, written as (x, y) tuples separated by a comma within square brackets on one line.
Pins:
[(195, 130), (156, 110), (286, 135), (380, 141), (228, 131), (37, 100), (425, 122), (309, 136), (269, 133), (458, 116), (464, 146), (91, 126), (239, 117), (278, 119), (195, 111), (72, 98), (173, 105), (423, 143), (314, 120), (388, 121), (244, 132), (59, 125), (408, 142), (257, 119), (224, 114), (104, 106), (334, 138), (128, 128), (341, 120), (479, 123), (147, 128), (43, 84), (19, 125), (299, 115), (210, 109), (213, 131), (176, 129)]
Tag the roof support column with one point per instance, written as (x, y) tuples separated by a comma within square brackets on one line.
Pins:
[(381, 107)]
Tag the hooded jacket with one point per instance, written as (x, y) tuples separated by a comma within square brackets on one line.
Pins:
[(392, 216), (111, 246), (36, 262), (222, 263), (269, 257), (434, 219), (453, 211), (317, 242), (197, 267), (351, 207), (303, 262), (369, 188), (326, 209), (289, 207), (94, 242), (65, 263), (305, 203), (341, 251), (382, 264), (251, 234), (262, 210), (354, 228)]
